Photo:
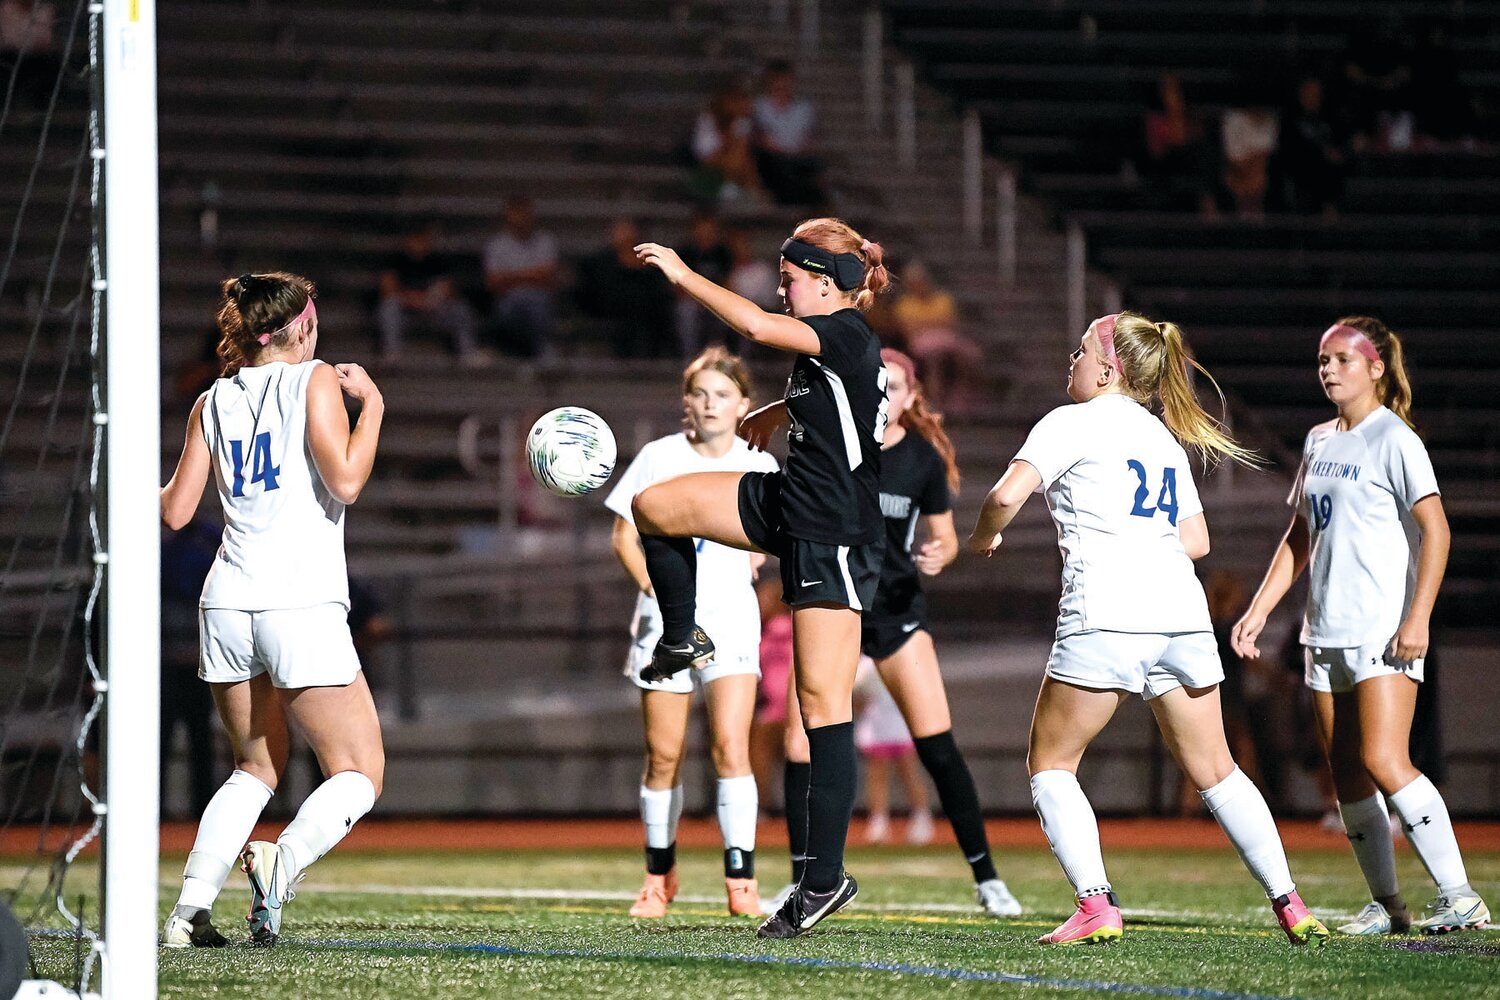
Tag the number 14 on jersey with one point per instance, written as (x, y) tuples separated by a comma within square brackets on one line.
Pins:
[(262, 470)]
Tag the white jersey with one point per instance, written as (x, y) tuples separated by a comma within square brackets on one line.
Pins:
[(1118, 484), (283, 541), (1356, 488), (726, 593)]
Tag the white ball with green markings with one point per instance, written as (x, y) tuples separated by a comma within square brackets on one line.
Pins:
[(571, 451)]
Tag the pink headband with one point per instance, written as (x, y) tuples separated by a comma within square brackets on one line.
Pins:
[(309, 311), (1362, 343), (891, 356), (1104, 329)]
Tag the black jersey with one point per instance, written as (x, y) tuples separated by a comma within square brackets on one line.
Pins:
[(836, 415), (913, 482)]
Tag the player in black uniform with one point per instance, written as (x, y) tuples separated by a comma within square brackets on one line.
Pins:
[(918, 475), (820, 516)]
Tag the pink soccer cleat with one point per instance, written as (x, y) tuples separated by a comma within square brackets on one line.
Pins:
[(744, 897), (656, 893), (1298, 922), (1098, 920)]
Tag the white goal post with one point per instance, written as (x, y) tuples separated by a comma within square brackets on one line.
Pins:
[(132, 655)]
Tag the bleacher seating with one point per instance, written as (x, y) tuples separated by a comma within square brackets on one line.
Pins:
[(1061, 87)]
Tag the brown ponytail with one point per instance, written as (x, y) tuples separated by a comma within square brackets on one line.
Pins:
[(837, 236), (253, 305), (1394, 387), (1154, 361)]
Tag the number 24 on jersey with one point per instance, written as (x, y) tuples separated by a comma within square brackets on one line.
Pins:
[(1166, 499), (262, 470)]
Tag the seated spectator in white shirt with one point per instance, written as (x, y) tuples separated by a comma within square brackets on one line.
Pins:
[(520, 271), (784, 126)]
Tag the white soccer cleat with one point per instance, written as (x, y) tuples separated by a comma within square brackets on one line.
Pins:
[(1373, 919), (996, 899), (770, 905), (1454, 913), (270, 890)]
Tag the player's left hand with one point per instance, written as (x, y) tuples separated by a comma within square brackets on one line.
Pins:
[(1410, 642), (929, 557), (664, 259), (984, 545)]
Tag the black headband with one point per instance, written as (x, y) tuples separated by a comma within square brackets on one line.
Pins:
[(846, 269)]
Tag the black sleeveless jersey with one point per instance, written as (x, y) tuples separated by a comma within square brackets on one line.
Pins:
[(913, 482), (836, 418)]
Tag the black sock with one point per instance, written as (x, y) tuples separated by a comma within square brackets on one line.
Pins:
[(673, 566), (794, 779), (739, 863), (660, 860), (830, 803), (955, 786)]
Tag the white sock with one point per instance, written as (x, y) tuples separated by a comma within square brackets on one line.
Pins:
[(1069, 823), (676, 810), (1424, 817), (325, 817), (222, 832), (739, 806), (656, 813), (1368, 826), (1241, 810)]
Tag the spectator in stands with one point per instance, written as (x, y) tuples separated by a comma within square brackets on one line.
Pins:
[(1442, 106), (520, 271), (1310, 156), (1249, 140), (707, 254), (635, 300), (784, 126), (926, 321), (418, 286), (722, 149), (1377, 73), (1175, 154)]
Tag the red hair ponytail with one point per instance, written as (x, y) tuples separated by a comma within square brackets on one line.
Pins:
[(919, 417)]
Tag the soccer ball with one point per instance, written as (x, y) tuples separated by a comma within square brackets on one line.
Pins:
[(571, 451)]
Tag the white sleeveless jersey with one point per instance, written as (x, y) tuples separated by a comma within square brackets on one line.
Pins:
[(726, 592), (1356, 489), (283, 541), (1118, 484)]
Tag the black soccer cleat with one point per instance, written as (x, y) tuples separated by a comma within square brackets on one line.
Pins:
[(804, 909), (666, 660), (189, 927)]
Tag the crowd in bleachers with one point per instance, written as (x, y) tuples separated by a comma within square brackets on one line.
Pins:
[(1289, 144)]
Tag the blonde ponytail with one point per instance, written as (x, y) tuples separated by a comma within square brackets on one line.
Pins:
[(1154, 361)]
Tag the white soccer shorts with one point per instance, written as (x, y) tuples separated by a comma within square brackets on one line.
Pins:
[(298, 647), (1337, 669), (1143, 663), (736, 651)]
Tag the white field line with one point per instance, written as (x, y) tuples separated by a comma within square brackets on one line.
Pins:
[(580, 895)]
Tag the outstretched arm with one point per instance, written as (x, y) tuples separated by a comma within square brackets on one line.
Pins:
[(743, 316), (1002, 505), (1288, 562), (179, 498)]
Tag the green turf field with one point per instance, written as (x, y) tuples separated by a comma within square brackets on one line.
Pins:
[(553, 924)]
